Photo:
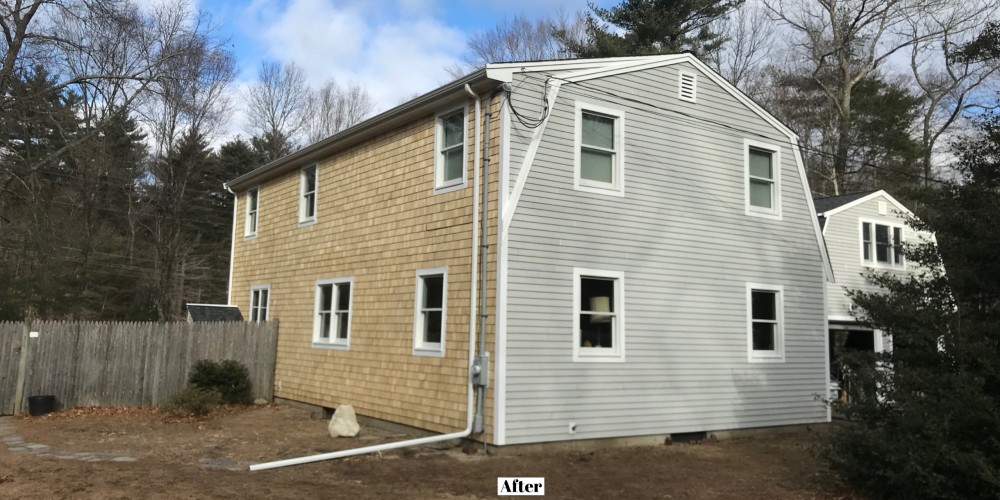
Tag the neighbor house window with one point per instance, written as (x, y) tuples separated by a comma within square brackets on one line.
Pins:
[(763, 182), (430, 312), (307, 202), (449, 163), (600, 158), (881, 244), (332, 323), (765, 322), (598, 316), (252, 202), (260, 301)]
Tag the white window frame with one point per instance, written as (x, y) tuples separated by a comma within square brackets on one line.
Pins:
[(303, 219), (253, 214), (617, 186), (775, 211), (778, 354), (615, 354), (440, 185), (254, 290), (874, 262), (334, 342), (421, 348)]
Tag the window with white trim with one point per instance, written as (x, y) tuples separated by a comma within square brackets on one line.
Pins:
[(430, 312), (260, 302), (450, 157), (252, 200), (765, 322), (332, 322), (881, 245), (598, 315), (307, 200), (599, 150), (762, 179)]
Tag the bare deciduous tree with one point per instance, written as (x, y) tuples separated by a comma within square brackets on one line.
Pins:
[(276, 104), (520, 39), (334, 108), (749, 40)]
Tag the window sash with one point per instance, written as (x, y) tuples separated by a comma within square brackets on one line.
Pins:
[(881, 244), (333, 309), (432, 319), (258, 304), (451, 155), (765, 323), (598, 331), (308, 187), (592, 150), (252, 201)]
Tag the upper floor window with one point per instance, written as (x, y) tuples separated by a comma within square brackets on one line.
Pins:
[(763, 179), (252, 200), (307, 201), (332, 323), (449, 163), (260, 302), (598, 316), (765, 323), (881, 244), (600, 158), (430, 312)]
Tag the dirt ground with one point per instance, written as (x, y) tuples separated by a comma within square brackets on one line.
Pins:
[(174, 459)]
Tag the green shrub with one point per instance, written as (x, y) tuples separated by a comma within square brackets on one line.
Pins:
[(193, 401), (230, 377)]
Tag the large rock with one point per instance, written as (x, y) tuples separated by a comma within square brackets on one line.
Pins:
[(344, 422)]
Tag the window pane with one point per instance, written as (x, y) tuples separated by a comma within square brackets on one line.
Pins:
[(452, 126), (763, 336), (866, 229), (598, 131), (597, 295), (343, 296), (252, 200), (433, 291), (324, 325), (311, 205), (342, 321), (453, 164), (760, 164), (432, 327), (881, 243), (897, 245), (596, 330), (596, 166), (760, 193), (764, 304), (310, 179), (255, 299)]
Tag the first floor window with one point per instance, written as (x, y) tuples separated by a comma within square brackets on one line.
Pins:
[(598, 325), (260, 297), (431, 311), (765, 311), (333, 312), (881, 244)]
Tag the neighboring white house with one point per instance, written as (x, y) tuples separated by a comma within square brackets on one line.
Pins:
[(864, 233)]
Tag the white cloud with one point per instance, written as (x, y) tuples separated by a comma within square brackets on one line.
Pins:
[(393, 48)]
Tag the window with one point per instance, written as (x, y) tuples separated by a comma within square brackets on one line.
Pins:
[(307, 203), (600, 157), (251, 224), (765, 323), (881, 245), (598, 316), (430, 314), (332, 324), (450, 159), (763, 179), (260, 301)]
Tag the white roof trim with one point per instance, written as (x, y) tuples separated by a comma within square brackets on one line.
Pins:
[(864, 199)]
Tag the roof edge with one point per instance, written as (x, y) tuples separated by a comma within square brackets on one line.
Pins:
[(863, 199)]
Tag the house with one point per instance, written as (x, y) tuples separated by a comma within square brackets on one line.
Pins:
[(864, 232), (651, 262)]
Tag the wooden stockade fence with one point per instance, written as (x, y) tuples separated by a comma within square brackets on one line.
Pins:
[(123, 364)]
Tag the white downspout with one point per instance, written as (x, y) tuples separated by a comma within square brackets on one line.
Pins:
[(472, 346), (232, 247)]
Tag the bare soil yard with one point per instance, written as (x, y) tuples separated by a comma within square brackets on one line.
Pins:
[(191, 458)]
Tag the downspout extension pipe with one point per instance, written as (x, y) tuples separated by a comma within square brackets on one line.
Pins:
[(473, 363)]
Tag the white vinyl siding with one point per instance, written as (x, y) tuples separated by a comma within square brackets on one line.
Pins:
[(687, 249)]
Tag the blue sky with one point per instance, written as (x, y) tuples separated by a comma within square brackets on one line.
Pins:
[(395, 48)]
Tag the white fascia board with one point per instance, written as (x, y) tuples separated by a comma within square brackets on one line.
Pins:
[(867, 198), (505, 71)]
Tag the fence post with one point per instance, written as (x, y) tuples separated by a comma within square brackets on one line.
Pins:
[(22, 368)]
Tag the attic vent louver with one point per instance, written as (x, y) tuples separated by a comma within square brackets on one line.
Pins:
[(882, 208), (687, 87)]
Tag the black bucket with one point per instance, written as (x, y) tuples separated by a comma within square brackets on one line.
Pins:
[(40, 405)]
